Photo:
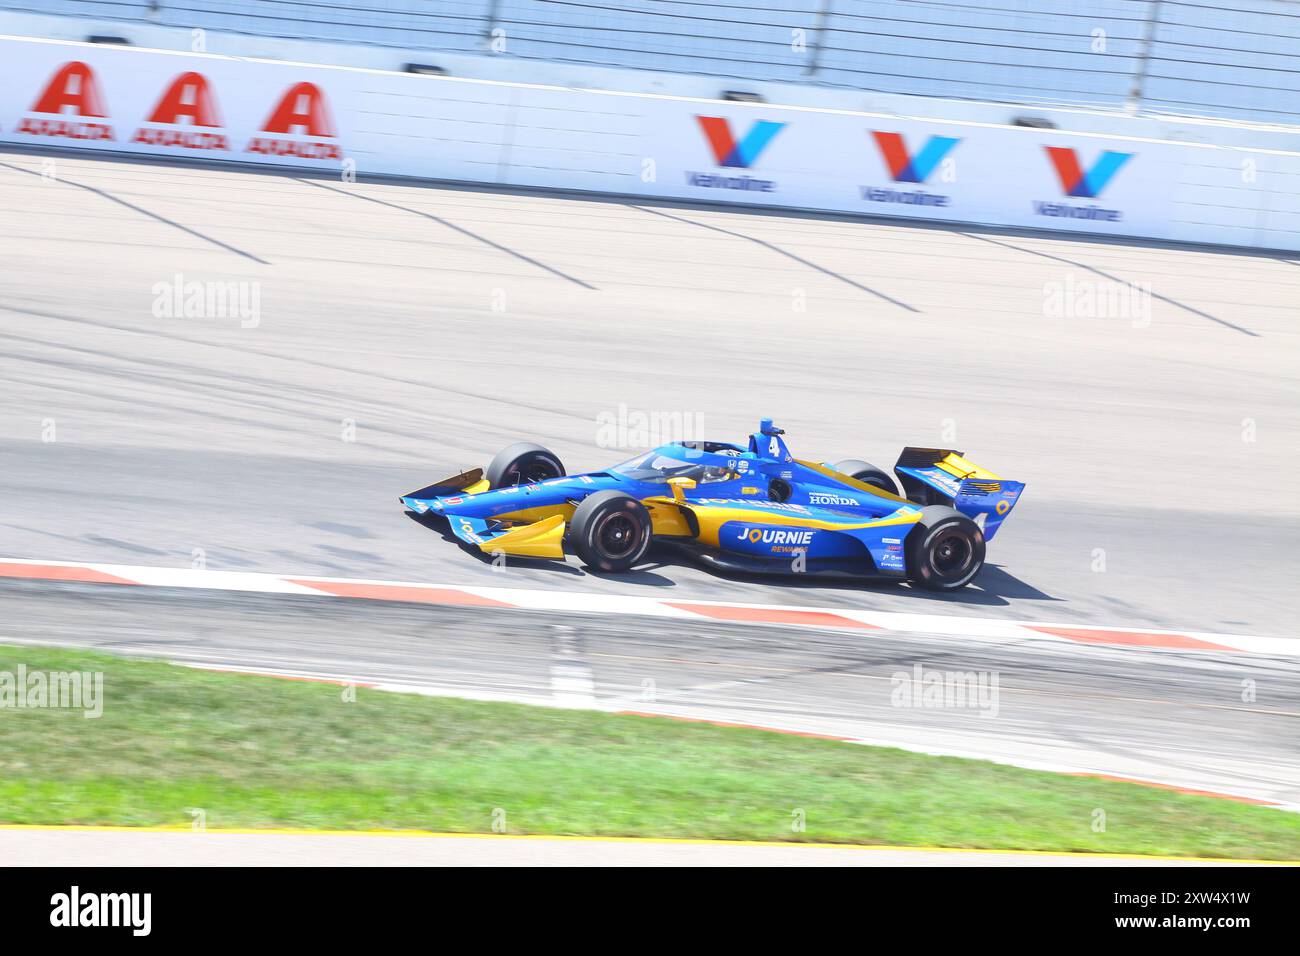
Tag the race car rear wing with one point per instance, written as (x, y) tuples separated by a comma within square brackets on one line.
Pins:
[(944, 476)]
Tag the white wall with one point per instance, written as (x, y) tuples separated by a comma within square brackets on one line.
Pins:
[(653, 146), (473, 59)]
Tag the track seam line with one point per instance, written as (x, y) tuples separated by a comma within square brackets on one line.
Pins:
[(500, 247), (145, 212)]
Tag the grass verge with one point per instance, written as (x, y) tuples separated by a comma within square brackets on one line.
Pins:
[(261, 752)]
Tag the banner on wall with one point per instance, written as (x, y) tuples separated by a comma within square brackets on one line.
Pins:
[(205, 106), (163, 103)]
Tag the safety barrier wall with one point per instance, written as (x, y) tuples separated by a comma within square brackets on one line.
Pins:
[(361, 121)]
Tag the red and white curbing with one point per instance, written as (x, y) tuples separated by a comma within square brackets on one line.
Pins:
[(859, 619)]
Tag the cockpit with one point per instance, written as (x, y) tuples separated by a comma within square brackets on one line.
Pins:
[(656, 468)]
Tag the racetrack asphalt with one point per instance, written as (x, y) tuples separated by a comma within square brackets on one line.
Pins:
[(405, 332)]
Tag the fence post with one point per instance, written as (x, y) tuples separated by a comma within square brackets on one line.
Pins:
[(489, 20), (818, 31), (1144, 57)]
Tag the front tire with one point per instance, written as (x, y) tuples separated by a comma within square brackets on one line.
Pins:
[(610, 531), (868, 474), (523, 463), (945, 550)]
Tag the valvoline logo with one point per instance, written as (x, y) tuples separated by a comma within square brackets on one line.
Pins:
[(1078, 183), (1085, 184), (730, 152), (740, 153), (69, 106), (906, 167)]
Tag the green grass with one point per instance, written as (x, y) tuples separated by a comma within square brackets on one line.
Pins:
[(260, 752)]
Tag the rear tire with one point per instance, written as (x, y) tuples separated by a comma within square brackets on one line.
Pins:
[(523, 463), (945, 550), (610, 531), (868, 474)]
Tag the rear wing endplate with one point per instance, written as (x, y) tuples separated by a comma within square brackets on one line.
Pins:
[(943, 475)]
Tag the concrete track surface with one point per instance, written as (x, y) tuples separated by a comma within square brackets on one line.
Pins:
[(405, 332), (82, 848), (377, 324)]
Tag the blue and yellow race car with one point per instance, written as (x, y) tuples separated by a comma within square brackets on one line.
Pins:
[(753, 508)]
